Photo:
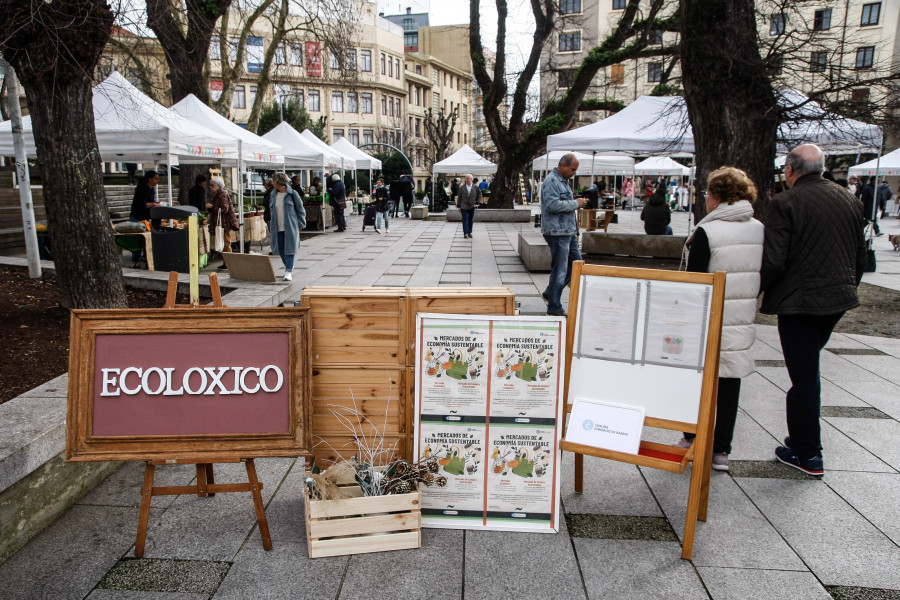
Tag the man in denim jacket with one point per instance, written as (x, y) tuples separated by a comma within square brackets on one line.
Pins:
[(558, 224)]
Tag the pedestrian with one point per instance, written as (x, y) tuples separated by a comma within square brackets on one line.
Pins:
[(381, 206), (469, 198), (267, 211), (870, 208), (131, 169), (729, 239), (221, 211), (315, 189), (813, 260), (853, 185), (144, 197), (197, 194), (560, 229), (454, 191), (407, 193), (288, 218), (656, 214), (884, 194), (295, 185), (484, 186), (338, 202), (394, 193)]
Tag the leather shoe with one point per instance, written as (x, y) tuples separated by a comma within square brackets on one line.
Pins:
[(556, 313)]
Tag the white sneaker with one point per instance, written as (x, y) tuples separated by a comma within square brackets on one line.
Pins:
[(386, 231), (288, 276), (377, 230), (720, 461)]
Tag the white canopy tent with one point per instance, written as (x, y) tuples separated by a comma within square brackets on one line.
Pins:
[(588, 164), (342, 160), (363, 160), (253, 151), (130, 126), (464, 160), (298, 152), (661, 165), (888, 165)]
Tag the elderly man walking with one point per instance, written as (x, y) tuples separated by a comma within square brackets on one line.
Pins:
[(469, 198), (813, 261), (558, 224)]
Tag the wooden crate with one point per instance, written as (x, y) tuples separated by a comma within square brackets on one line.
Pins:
[(356, 326), (363, 524)]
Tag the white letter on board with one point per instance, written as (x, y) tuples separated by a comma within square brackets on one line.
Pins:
[(169, 391), (279, 381), (146, 378), (244, 385), (109, 381), (130, 391), (216, 380), (237, 379), (186, 380)]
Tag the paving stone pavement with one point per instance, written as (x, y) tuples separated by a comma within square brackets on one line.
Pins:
[(772, 532)]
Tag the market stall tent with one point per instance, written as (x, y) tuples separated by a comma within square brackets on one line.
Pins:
[(588, 164), (363, 160), (298, 152), (465, 160), (661, 165), (888, 165), (343, 161)]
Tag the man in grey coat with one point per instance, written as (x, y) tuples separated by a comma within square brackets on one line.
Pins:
[(469, 197), (560, 229)]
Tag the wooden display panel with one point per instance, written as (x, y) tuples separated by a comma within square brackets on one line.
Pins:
[(363, 524)]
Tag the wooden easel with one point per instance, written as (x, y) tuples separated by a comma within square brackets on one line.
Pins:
[(206, 485), (662, 456)]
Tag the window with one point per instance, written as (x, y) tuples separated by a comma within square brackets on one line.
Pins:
[(281, 91), (775, 65), (565, 78), (368, 136), (390, 67), (397, 104), (354, 137), (436, 100), (297, 55), (569, 7), (416, 98), (382, 64), (465, 114), (655, 38), (451, 83), (366, 104), (238, 98), (411, 38), (860, 95), (479, 135), (818, 62), (314, 105), (350, 55), (334, 64), (618, 4), (418, 157), (865, 56), (654, 72), (479, 112), (337, 101), (776, 25), (418, 69), (418, 129), (365, 61), (338, 134), (280, 57), (233, 48), (391, 107), (297, 93), (822, 20), (435, 77), (397, 68), (383, 104), (871, 13), (352, 102), (215, 52), (570, 42), (409, 24), (617, 75), (252, 98)]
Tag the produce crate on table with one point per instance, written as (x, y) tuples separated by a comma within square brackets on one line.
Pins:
[(363, 524)]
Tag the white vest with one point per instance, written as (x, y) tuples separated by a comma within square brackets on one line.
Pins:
[(736, 247)]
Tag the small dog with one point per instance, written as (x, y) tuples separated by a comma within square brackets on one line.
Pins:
[(895, 240)]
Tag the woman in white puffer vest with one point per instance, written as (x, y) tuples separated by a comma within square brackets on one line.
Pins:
[(729, 239)]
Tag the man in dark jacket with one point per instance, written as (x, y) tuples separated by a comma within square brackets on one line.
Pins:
[(394, 192), (656, 214), (407, 192), (197, 194), (884, 194), (869, 207), (338, 202), (813, 261)]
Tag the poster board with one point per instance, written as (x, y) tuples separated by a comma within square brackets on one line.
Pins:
[(489, 400), (188, 384)]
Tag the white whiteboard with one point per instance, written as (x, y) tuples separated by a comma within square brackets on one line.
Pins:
[(664, 391)]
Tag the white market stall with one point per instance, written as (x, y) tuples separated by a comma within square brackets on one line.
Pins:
[(464, 160), (363, 160), (661, 165), (253, 151), (343, 160), (588, 164), (131, 127), (887, 165)]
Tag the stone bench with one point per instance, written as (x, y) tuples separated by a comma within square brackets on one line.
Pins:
[(632, 244), (418, 212), (534, 252), (493, 215)]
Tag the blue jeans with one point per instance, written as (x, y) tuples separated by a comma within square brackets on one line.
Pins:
[(563, 251), (468, 217), (802, 340), (287, 259), (387, 225)]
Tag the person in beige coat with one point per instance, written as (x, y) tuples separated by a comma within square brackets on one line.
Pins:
[(729, 239)]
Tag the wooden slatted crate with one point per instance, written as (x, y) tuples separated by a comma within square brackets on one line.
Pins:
[(363, 524)]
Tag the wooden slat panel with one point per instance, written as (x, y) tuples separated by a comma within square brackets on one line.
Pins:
[(328, 424), (344, 304), (376, 543), (377, 321), (463, 305), (358, 391), (330, 338), (328, 449), (363, 525), (322, 509), (353, 376), (349, 356)]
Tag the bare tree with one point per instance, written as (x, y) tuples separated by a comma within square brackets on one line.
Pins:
[(518, 141), (439, 129), (54, 48)]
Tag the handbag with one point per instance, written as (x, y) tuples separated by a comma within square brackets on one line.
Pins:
[(220, 234), (870, 252)]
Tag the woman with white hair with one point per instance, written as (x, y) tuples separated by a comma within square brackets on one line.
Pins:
[(287, 218), (220, 207)]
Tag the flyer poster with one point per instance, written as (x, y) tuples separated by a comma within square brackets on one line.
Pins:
[(610, 331), (458, 448), (675, 333), (453, 371), (525, 370), (521, 476)]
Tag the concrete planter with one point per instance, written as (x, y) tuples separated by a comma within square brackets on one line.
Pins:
[(493, 215), (632, 244)]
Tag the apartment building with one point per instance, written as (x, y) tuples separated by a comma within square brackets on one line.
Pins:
[(807, 44)]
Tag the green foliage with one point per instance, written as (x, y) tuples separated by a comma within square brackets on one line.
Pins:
[(613, 106), (393, 166), (664, 89), (294, 114)]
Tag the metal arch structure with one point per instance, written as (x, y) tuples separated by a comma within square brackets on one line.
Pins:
[(394, 148)]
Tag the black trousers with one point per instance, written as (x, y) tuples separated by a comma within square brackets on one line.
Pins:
[(340, 221), (802, 340), (726, 414)]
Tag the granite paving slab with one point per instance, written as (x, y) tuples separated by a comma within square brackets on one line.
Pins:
[(132, 595), (629, 495), (123, 487), (751, 441), (878, 436), (162, 575), (874, 495), (756, 584)]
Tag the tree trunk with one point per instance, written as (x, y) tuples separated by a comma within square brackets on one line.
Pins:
[(503, 186), (729, 97), (54, 48)]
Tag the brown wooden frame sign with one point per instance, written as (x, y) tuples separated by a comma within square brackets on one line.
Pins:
[(188, 385)]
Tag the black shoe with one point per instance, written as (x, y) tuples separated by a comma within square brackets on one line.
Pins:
[(556, 313), (879, 234), (223, 267), (811, 466), (545, 297)]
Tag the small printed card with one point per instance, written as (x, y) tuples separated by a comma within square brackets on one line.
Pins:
[(606, 425)]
